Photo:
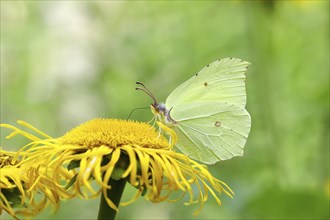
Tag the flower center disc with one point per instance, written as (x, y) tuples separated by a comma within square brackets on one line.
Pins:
[(114, 133)]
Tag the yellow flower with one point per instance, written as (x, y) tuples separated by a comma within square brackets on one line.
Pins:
[(105, 149), (19, 184), (25, 186), (11, 183)]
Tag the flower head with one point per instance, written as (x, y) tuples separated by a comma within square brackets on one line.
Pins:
[(104, 149), (26, 189), (11, 183), (20, 183)]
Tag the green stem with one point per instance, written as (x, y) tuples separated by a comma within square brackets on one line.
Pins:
[(114, 194)]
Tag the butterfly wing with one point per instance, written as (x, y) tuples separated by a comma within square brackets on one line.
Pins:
[(211, 131), (222, 80)]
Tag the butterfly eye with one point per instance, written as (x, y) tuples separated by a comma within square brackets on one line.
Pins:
[(217, 124), (205, 84)]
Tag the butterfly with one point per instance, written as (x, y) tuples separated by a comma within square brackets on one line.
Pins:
[(207, 111)]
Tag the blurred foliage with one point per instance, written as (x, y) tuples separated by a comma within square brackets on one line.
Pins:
[(65, 62)]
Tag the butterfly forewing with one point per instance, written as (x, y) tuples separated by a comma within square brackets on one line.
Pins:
[(222, 80)]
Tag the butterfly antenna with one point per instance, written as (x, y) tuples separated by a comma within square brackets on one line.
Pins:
[(135, 110), (146, 90)]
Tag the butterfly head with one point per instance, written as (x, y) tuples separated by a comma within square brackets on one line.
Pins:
[(158, 109)]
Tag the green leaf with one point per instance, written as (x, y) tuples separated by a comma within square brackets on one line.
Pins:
[(144, 191), (72, 181), (73, 164), (12, 195)]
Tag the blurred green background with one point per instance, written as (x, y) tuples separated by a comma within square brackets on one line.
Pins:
[(65, 62)]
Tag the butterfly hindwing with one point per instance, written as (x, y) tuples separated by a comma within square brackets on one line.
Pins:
[(211, 131)]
